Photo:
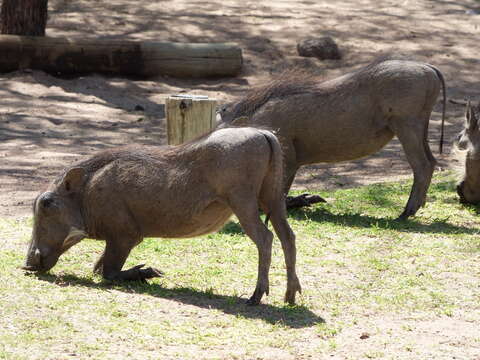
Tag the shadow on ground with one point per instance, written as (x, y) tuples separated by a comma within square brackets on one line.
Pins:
[(291, 316), (378, 195), (440, 226)]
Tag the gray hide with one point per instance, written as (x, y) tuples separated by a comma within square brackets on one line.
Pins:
[(349, 117), (125, 194), (469, 140)]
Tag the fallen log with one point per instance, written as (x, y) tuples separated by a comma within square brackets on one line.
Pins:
[(132, 58)]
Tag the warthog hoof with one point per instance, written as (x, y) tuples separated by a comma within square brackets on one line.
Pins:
[(405, 215), (134, 274), (148, 273), (257, 296), (291, 292), (294, 202)]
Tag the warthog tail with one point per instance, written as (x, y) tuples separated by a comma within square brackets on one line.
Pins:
[(272, 187), (442, 80)]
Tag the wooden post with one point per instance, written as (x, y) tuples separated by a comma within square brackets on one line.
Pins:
[(189, 116)]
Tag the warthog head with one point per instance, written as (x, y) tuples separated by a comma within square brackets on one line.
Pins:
[(224, 116), (58, 223), (469, 140)]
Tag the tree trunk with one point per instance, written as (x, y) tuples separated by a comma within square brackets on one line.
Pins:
[(23, 17)]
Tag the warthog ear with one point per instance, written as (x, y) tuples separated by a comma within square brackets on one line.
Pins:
[(73, 179), (471, 116)]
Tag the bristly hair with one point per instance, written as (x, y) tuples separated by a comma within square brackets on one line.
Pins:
[(102, 158), (290, 82)]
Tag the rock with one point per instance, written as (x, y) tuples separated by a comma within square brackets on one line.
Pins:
[(364, 336), (323, 48)]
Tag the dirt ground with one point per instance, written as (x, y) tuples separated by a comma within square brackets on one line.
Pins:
[(48, 122)]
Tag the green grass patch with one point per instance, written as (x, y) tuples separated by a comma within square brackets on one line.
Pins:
[(355, 262)]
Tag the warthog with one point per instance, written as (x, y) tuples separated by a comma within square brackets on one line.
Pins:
[(125, 194), (349, 117), (469, 139)]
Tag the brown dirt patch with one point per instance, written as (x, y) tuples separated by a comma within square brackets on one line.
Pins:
[(48, 122)]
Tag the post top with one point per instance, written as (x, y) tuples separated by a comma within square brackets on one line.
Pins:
[(190, 96)]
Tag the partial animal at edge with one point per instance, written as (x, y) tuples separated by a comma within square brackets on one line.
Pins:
[(468, 189)]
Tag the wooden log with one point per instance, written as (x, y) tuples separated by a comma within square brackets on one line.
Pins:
[(188, 117), (132, 58)]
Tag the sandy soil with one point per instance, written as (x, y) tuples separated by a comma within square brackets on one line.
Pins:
[(48, 122)]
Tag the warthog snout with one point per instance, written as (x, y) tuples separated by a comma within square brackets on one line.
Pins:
[(34, 261), (457, 140), (467, 193), (38, 261)]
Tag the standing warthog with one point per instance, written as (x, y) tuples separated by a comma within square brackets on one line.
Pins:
[(125, 194), (469, 139), (349, 117)]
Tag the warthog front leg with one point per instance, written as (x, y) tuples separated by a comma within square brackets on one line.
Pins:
[(245, 207), (291, 168), (114, 257), (98, 267)]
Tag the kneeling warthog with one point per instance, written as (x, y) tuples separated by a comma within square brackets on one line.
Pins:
[(125, 194), (349, 117), (469, 139)]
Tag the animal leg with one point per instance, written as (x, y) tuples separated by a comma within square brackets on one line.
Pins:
[(245, 207), (421, 160), (287, 239), (98, 267), (114, 257), (291, 168), (289, 178)]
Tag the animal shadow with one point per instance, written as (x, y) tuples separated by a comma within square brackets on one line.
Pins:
[(320, 214), (291, 316), (232, 228)]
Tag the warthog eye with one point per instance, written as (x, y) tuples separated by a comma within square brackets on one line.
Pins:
[(47, 200), (221, 109)]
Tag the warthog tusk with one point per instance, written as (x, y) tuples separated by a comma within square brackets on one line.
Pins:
[(74, 236)]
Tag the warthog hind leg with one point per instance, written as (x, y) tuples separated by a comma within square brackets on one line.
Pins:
[(287, 238), (412, 136), (245, 207)]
